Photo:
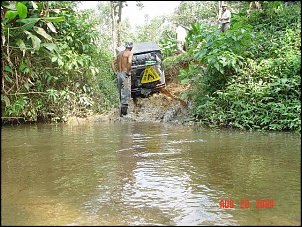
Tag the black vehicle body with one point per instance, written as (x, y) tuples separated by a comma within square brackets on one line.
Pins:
[(147, 74)]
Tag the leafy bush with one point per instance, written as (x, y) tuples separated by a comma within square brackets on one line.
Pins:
[(52, 67), (248, 77)]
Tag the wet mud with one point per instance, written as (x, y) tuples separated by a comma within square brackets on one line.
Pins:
[(165, 107)]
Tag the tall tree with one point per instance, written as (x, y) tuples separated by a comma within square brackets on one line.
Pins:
[(116, 16), (219, 12), (113, 27), (119, 23), (116, 9)]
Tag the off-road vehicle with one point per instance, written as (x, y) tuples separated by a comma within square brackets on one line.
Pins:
[(147, 74)]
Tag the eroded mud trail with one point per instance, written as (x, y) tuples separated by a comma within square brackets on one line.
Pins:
[(165, 107)]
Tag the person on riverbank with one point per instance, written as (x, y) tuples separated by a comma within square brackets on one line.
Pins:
[(181, 34), (225, 18), (123, 61)]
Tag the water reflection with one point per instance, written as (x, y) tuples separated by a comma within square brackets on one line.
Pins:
[(131, 173)]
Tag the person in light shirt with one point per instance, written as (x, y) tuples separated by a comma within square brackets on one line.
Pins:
[(225, 18), (181, 34)]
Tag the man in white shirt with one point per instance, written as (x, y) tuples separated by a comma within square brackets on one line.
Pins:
[(181, 34), (225, 18)]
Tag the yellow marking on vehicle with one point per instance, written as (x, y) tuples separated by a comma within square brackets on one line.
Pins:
[(150, 75)]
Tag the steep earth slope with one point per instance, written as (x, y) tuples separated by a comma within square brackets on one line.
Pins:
[(163, 107)]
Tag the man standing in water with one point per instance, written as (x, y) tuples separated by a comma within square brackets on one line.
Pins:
[(123, 60)]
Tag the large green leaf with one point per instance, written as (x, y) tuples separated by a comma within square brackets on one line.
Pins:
[(29, 20), (35, 40), (22, 10), (49, 46), (42, 32), (51, 27), (11, 5), (11, 14), (21, 45), (8, 69), (34, 20), (53, 19), (5, 99)]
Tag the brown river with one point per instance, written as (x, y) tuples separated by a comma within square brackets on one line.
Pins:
[(141, 173)]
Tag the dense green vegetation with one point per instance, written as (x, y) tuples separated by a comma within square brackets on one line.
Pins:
[(248, 77), (56, 62), (51, 68)]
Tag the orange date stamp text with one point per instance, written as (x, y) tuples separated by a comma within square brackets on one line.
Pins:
[(246, 203)]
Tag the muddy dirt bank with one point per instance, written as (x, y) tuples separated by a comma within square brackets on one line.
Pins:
[(156, 108)]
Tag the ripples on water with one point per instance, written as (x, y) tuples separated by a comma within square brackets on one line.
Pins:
[(132, 173)]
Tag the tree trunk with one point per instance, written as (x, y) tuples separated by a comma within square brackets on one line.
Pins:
[(219, 12), (113, 30), (119, 23)]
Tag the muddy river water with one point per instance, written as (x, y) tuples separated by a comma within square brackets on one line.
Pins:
[(133, 173)]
